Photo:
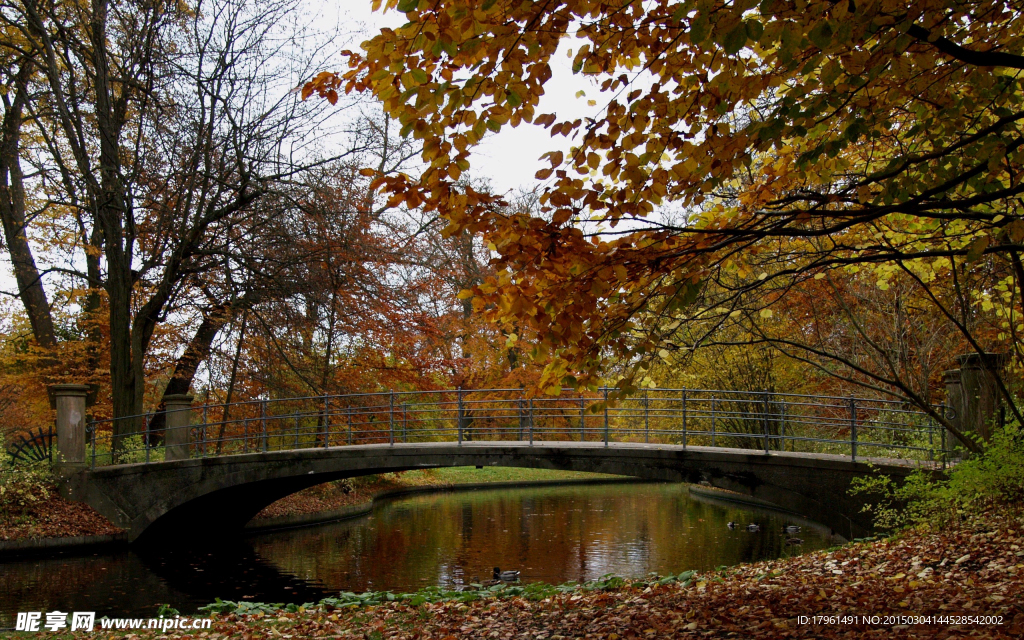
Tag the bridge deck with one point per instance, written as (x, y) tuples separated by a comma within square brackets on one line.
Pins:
[(515, 445)]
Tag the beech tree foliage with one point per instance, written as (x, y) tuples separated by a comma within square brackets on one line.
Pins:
[(740, 150)]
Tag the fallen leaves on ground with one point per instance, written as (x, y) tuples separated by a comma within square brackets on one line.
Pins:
[(972, 570), (54, 517)]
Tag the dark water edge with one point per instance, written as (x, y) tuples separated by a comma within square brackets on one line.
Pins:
[(552, 534)]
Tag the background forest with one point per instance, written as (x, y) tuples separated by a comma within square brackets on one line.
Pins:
[(176, 217), (831, 210)]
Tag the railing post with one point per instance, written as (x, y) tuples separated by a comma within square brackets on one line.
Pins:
[(179, 417), (766, 443), (782, 424), (263, 424), (530, 426), (391, 418), (683, 399), (296, 430), (245, 435), (149, 421), (348, 419), (853, 429), (205, 408), (69, 401), (945, 454), (583, 420), (605, 390), (327, 421), (713, 410), (931, 439), (647, 423), (405, 422), (92, 438), (520, 405), (459, 417)]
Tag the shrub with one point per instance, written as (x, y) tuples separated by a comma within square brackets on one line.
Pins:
[(22, 486), (995, 478)]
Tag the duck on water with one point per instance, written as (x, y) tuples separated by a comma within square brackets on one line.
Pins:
[(506, 576)]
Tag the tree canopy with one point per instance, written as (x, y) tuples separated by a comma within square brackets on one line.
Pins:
[(740, 149)]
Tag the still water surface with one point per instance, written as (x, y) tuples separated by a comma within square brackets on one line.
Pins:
[(552, 534)]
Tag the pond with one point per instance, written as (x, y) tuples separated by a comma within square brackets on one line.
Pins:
[(552, 534)]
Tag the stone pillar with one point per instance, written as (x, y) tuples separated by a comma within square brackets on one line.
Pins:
[(179, 421), (982, 402), (954, 397), (69, 401)]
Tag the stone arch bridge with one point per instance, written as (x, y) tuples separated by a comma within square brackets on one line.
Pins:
[(212, 469)]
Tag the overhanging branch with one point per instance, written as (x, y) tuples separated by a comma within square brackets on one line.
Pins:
[(979, 58)]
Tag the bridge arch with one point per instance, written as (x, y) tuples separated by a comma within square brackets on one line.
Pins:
[(190, 500)]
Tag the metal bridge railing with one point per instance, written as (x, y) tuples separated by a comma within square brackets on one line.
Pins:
[(764, 421)]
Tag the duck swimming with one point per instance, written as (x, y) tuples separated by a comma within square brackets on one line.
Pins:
[(794, 541), (753, 527), (791, 529), (731, 525), (506, 576)]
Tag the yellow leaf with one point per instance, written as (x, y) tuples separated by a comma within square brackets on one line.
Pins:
[(766, 313), (977, 249)]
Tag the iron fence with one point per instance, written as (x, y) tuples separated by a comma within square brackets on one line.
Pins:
[(763, 421)]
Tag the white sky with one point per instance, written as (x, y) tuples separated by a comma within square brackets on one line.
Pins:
[(509, 158)]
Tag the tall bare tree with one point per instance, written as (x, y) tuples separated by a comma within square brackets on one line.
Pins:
[(163, 124)]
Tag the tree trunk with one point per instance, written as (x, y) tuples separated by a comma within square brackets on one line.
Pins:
[(186, 366), (12, 212), (231, 383), (112, 210)]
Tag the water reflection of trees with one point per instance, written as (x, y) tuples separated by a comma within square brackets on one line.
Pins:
[(109, 584), (129, 583), (552, 534)]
